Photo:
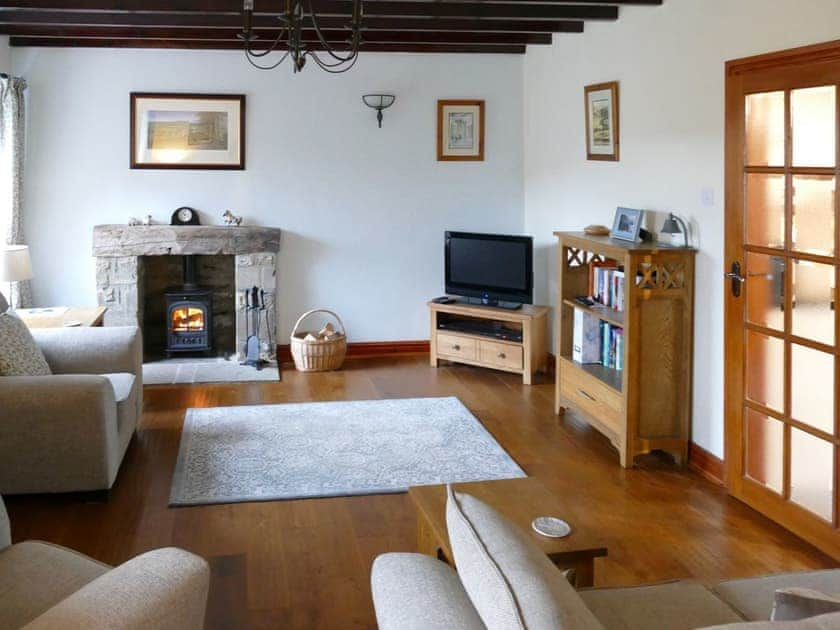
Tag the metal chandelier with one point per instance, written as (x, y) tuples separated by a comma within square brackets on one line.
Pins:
[(330, 56)]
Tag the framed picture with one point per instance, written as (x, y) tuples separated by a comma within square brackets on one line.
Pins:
[(187, 131), (627, 224), (460, 131), (602, 131)]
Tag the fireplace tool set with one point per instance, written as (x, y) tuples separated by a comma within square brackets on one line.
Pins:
[(257, 313)]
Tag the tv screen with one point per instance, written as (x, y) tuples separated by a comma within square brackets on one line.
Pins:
[(493, 267)]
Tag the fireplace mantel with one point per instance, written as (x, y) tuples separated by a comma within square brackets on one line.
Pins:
[(121, 249), (180, 240)]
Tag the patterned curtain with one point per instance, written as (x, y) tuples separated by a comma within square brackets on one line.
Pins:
[(12, 135)]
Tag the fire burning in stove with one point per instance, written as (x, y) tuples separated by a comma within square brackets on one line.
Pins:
[(187, 319)]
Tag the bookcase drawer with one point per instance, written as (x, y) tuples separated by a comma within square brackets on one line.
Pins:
[(591, 396), (458, 347), (500, 354)]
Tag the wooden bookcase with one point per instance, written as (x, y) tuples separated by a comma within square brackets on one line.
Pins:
[(647, 405), (524, 357)]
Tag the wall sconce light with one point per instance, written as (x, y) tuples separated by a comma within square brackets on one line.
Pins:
[(379, 102)]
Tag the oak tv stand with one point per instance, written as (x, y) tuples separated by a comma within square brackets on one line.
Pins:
[(487, 336)]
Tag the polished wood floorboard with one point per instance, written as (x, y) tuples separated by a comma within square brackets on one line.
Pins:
[(306, 564)]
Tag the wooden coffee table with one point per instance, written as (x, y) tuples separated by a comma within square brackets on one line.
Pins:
[(520, 501), (92, 316)]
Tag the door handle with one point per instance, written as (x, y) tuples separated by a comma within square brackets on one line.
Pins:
[(585, 395), (502, 355), (736, 278), (456, 347)]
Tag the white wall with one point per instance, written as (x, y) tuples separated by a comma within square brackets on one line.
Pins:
[(670, 62), (364, 209), (5, 55)]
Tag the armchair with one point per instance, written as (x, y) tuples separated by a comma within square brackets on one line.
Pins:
[(68, 432), (46, 587)]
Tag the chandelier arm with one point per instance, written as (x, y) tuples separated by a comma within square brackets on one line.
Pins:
[(258, 55), (331, 68), (268, 67), (330, 50)]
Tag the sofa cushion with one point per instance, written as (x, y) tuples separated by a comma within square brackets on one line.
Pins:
[(681, 605), (19, 354), (510, 581), (822, 622), (753, 597), (416, 592), (34, 576), (792, 604)]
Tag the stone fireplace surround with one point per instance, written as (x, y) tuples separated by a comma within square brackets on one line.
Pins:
[(119, 252)]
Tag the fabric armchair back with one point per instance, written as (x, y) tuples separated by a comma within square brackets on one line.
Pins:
[(4, 305)]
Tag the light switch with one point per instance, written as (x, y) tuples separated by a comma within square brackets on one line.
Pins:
[(707, 196)]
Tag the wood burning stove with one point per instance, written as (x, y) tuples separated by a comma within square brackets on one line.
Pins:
[(189, 315)]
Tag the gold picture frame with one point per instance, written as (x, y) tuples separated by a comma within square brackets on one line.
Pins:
[(460, 130), (602, 121)]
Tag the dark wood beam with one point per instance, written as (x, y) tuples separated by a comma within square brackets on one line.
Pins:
[(177, 34), (57, 42), (382, 8), (231, 6), (216, 20)]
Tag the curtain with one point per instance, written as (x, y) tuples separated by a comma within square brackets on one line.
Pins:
[(12, 136)]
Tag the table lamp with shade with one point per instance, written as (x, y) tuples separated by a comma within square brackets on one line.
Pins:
[(15, 266)]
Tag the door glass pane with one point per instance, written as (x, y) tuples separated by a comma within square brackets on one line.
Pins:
[(813, 214), (813, 294), (812, 473), (814, 119), (765, 220), (812, 387), (765, 290), (766, 129), (765, 449), (766, 370)]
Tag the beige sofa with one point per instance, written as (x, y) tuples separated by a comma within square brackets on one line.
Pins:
[(69, 431), (504, 581), (46, 587)]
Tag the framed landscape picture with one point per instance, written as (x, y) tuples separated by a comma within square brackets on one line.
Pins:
[(460, 130), (602, 132), (187, 131)]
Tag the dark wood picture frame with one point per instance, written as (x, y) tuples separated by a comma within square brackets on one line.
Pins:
[(442, 156), (136, 164), (613, 156)]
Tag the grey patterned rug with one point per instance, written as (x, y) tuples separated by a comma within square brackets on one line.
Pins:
[(294, 451)]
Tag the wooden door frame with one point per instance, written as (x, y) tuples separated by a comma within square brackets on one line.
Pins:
[(805, 60)]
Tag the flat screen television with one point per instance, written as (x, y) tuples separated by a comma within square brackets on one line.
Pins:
[(496, 268)]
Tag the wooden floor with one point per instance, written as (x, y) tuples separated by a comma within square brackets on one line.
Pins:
[(305, 564)]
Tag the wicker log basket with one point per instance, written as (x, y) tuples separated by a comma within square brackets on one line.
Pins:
[(318, 355)]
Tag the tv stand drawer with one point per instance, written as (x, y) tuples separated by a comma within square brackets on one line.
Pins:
[(501, 354), (457, 347)]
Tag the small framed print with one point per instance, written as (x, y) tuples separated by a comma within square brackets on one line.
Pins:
[(460, 131), (627, 224), (187, 131), (602, 130)]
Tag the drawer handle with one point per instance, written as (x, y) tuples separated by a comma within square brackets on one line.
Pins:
[(585, 395), (502, 355), (456, 347)]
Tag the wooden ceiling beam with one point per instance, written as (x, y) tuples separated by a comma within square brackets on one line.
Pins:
[(373, 8), (214, 20), (178, 34), (57, 42)]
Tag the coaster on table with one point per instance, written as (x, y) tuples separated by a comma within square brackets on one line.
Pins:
[(72, 323), (551, 527)]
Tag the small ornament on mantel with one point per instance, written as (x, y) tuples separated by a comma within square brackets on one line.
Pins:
[(133, 221), (147, 220), (231, 219)]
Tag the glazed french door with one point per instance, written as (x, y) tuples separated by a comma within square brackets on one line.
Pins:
[(783, 257)]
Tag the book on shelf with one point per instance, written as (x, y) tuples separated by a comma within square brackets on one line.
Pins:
[(586, 338), (612, 346)]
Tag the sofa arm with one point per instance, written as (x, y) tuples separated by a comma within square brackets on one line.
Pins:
[(5, 528), (92, 350), (416, 592), (57, 433), (165, 589)]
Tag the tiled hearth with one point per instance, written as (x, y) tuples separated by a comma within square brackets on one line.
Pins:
[(121, 253)]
